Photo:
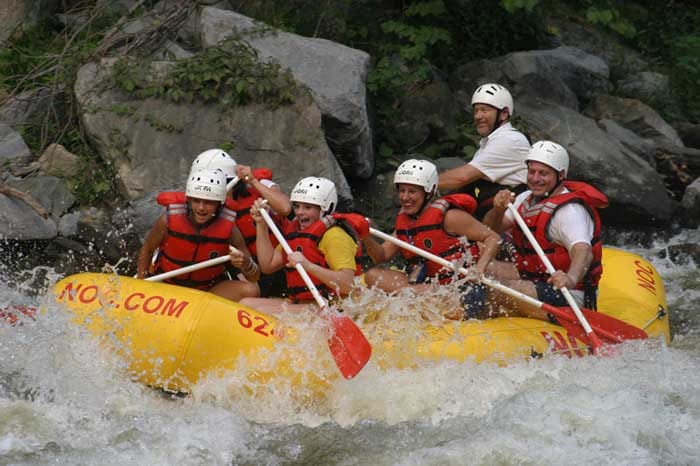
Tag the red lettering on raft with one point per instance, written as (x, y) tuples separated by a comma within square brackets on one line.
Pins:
[(558, 344), (135, 301), (645, 277)]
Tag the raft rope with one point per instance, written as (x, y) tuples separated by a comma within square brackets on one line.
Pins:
[(659, 315)]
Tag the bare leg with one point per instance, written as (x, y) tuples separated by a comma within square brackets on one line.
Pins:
[(275, 306), (501, 270), (236, 290), (385, 279), (497, 298)]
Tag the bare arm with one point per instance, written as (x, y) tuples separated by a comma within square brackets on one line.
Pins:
[(459, 222), (155, 236), (278, 201), (581, 258), (379, 252), (458, 177), (243, 261), (495, 218), (341, 280), (269, 258)]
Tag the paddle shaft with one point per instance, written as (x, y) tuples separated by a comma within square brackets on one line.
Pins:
[(232, 183), (447, 264), (189, 268), (304, 275), (550, 269)]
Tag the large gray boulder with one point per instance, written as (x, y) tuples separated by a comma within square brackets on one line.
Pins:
[(19, 221), (636, 191), (151, 143), (15, 14), (334, 73), (561, 75), (635, 116), (14, 152), (50, 192)]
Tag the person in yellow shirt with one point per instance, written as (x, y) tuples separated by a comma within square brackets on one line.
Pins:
[(323, 243)]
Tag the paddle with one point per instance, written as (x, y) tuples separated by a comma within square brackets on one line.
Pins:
[(612, 330), (348, 345), (189, 268), (232, 183), (596, 343)]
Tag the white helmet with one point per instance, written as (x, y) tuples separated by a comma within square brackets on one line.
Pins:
[(418, 172), (213, 159), (494, 95), (317, 191), (207, 184), (549, 153)]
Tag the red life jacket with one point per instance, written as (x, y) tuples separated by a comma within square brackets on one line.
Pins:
[(187, 243), (242, 206), (427, 231), (537, 217), (306, 241)]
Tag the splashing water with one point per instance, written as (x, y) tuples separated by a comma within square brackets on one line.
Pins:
[(65, 400)]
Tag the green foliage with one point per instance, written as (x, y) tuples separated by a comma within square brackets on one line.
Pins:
[(669, 37), (512, 6), (612, 18), (685, 76), (228, 75)]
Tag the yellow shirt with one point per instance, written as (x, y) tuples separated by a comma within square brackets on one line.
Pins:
[(338, 248)]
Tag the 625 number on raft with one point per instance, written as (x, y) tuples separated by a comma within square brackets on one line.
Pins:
[(248, 321)]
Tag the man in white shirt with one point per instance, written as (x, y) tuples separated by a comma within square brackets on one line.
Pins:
[(500, 160), (563, 217)]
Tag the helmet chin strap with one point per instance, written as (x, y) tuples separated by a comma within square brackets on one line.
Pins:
[(560, 180), (498, 122)]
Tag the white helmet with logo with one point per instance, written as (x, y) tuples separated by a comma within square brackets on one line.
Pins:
[(207, 184), (494, 95), (549, 153), (317, 191), (418, 172), (213, 159)]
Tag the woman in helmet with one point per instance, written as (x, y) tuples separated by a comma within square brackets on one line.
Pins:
[(564, 219), (435, 225), (195, 227), (323, 243), (500, 160), (254, 184)]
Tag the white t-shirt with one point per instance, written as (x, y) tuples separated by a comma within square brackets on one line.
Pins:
[(501, 156), (570, 224)]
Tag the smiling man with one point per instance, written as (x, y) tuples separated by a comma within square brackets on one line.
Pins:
[(563, 217), (500, 160)]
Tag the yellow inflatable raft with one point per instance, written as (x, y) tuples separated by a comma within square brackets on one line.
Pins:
[(172, 336)]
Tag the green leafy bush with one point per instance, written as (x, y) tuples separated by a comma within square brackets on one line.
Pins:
[(228, 75)]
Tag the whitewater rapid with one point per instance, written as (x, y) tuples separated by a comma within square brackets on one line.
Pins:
[(64, 400)]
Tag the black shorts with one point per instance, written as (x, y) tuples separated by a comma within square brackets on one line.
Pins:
[(547, 293), (273, 285)]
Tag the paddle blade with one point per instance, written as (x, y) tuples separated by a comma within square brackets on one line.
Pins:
[(348, 345), (608, 328)]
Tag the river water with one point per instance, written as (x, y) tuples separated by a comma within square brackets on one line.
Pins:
[(64, 400)]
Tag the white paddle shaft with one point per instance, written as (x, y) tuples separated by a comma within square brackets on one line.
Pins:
[(189, 268), (278, 234), (550, 268), (447, 264)]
